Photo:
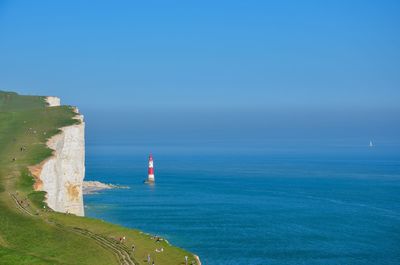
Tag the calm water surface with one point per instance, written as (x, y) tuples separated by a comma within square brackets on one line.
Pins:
[(266, 207)]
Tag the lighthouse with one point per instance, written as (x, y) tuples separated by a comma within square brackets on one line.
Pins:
[(150, 178)]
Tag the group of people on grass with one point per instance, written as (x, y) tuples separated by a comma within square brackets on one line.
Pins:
[(149, 260)]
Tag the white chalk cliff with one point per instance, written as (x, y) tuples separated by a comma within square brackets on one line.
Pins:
[(61, 176), (53, 101)]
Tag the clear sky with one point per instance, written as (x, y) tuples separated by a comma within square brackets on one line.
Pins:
[(211, 68)]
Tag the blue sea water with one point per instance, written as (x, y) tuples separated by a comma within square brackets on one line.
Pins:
[(333, 205)]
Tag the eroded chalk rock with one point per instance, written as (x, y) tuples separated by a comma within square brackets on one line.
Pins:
[(61, 176)]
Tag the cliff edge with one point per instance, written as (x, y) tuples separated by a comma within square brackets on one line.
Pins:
[(61, 176), (37, 133)]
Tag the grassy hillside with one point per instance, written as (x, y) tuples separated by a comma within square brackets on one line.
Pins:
[(31, 234)]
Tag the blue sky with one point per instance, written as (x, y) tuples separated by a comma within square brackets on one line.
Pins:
[(240, 68)]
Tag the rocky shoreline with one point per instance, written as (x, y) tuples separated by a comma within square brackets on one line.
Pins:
[(92, 187)]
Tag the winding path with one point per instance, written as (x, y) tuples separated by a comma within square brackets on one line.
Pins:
[(120, 251)]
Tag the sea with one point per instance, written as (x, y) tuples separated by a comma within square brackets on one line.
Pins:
[(249, 203)]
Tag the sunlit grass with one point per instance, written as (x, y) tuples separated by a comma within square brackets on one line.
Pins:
[(41, 236)]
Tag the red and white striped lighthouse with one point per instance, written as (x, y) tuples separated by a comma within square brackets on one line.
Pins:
[(150, 177)]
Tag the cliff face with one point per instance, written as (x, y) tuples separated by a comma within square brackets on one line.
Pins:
[(61, 176), (53, 101)]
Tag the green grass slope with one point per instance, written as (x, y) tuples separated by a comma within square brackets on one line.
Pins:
[(31, 234)]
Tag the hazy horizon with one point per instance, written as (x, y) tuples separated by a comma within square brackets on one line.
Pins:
[(186, 71)]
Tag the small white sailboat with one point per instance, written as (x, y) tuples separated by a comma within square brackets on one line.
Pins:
[(371, 144)]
